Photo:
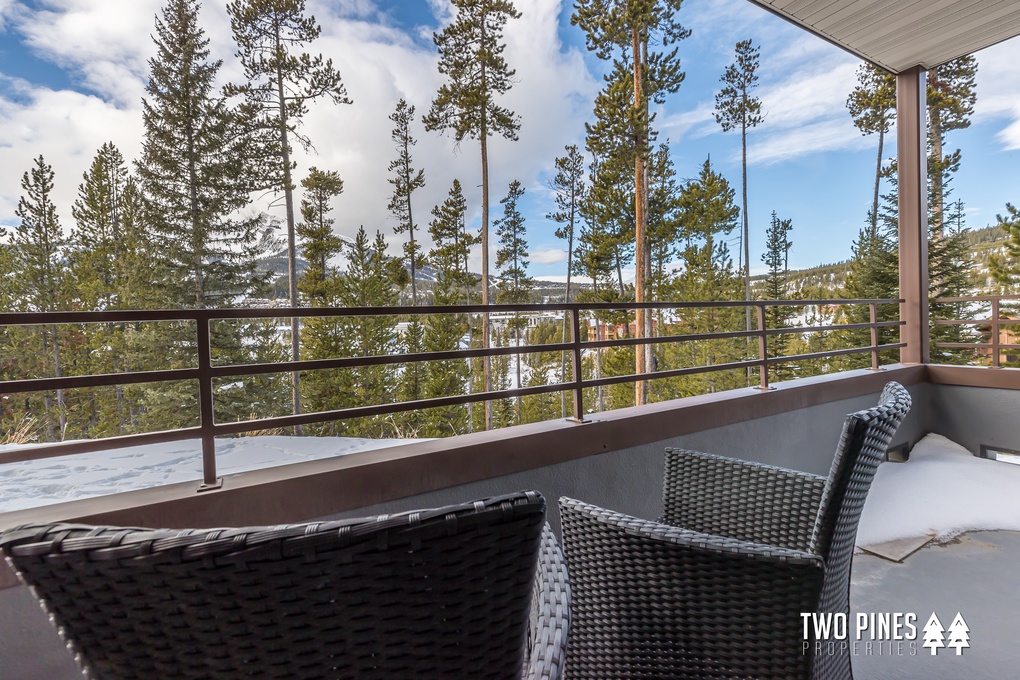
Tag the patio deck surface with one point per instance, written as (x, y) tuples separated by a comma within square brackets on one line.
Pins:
[(973, 574)]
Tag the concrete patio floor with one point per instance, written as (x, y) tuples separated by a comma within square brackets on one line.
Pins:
[(974, 574)]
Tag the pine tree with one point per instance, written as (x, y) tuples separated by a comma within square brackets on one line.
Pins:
[(405, 181), (318, 242), (950, 99), (514, 284), (950, 271), (367, 282), (38, 249), (569, 188), (872, 106), (627, 29), (471, 57), (776, 258), (96, 233), (874, 274), (1005, 269), (610, 202), (194, 178), (280, 81), (192, 171), (542, 370), (707, 215), (736, 108), (104, 264), (443, 332), (663, 221)]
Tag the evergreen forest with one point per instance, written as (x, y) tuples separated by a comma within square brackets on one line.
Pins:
[(178, 228)]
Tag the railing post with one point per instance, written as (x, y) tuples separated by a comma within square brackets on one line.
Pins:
[(763, 350), (205, 401), (995, 333), (873, 316), (575, 320)]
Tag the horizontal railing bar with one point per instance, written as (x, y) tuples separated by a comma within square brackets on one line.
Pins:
[(675, 372), (976, 345), (42, 318), (234, 370), (832, 353), (381, 409), (101, 380), (836, 327), (977, 298), (90, 445), (663, 339), (975, 322)]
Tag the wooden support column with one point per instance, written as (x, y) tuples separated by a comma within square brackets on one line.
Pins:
[(912, 163)]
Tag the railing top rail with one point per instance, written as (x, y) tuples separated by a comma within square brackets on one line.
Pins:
[(114, 316), (977, 298)]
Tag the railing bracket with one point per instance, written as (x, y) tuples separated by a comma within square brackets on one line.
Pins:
[(218, 484)]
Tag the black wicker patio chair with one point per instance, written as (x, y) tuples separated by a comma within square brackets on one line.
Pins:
[(717, 589), (443, 593)]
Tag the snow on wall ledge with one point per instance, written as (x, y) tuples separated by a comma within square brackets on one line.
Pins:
[(55, 480), (942, 491)]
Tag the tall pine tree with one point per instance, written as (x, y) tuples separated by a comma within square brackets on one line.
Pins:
[(38, 249), (280, 80), (471, 57), (872, 106), (405, 181), (569, 188), (736, 108), (777, 258), (513, 282), (637, 35)]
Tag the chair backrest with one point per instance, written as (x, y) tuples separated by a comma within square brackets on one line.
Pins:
[(863, 445), (429, 594)]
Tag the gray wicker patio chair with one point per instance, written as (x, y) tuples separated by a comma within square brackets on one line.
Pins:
[(443, 593), (717, 589)]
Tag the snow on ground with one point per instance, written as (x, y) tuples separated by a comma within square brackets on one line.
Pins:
[(54, 480), (942, 491)]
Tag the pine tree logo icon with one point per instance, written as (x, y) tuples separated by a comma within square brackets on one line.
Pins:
[(959, 634), (933, 634)]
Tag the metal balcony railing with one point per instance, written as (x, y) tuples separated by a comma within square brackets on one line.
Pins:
[(206, 372), (997, 328)]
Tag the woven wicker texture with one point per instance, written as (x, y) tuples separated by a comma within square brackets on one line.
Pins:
[(722, 596), (438, 593)]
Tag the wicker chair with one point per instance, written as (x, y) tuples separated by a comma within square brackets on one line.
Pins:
[(438, 593), (717, 589)]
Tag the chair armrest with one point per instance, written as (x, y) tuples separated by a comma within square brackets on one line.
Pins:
[(740, 499), (679, 603), (550, 612)]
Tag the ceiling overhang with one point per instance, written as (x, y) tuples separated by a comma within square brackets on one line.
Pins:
[(900, 34)]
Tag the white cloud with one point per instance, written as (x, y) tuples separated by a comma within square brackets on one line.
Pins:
[(806, 111), (998, 90), (106, 45), (105, 41), (549, 256)]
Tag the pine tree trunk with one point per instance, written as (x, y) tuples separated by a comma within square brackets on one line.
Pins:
[(745, 237), (61, 410), (878, 179), (935, 119), (640, 199), (517, 341), (486, 360), (292, 289), (566, 298)]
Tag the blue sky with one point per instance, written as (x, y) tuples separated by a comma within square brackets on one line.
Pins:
[(72, 76)]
